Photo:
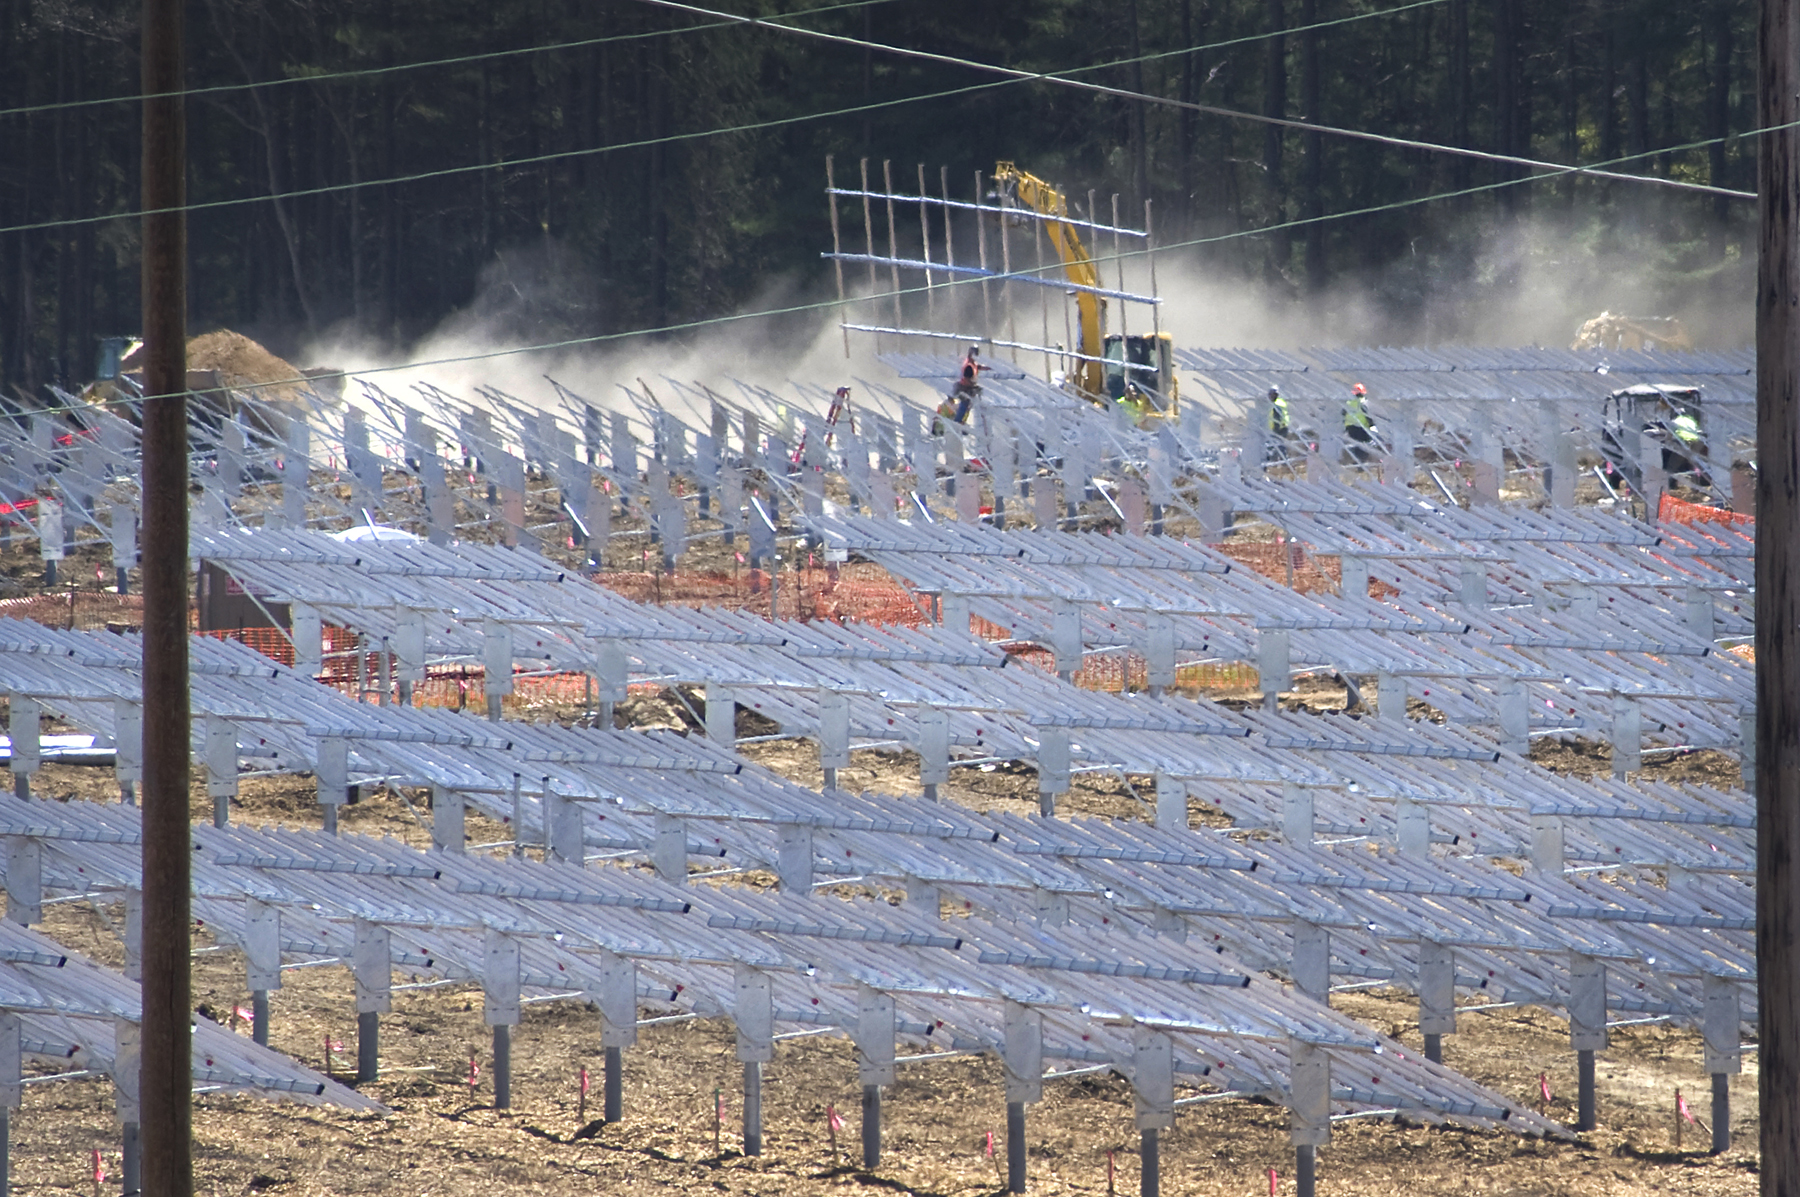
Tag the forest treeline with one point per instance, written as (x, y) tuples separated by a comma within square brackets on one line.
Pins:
[(590, 193)]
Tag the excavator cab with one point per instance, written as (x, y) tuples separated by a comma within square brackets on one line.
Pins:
[(1141, 370)]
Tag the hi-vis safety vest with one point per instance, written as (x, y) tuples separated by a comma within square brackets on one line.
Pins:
[(1356, 415), (1686, 428), (1278, 415)]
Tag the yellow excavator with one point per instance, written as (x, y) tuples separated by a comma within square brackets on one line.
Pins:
[(1135, 370)]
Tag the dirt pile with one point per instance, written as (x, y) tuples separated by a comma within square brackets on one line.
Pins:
[(239, 363)]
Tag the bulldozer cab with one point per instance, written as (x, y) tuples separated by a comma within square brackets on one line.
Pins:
[(1668, 420), (1141, 368)]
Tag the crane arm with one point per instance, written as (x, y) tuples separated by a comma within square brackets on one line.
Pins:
[(1032, 192)]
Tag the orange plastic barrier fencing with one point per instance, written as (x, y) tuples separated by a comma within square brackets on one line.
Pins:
[(1679, 511)]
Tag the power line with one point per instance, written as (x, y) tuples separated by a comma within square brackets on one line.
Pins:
[(1556, 168), (534, 160), (777, 122), (485, 56), (1061, 79), (822, 305), (879, 296)]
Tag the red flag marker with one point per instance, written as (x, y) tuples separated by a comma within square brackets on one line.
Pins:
[(474, 1072), (990, 1143), (1109, 1174), (1681, 1104), (833, 1124), (1544, 1086), (1274, 1180)]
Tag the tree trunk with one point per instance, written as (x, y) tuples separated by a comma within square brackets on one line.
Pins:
[(273, 151), (1275, 104), (1312, 147), (1461, 91), (1571, 114), (60, 134), (1609, 86), (1637, 95), (1718, 103), (1505, 100), (1140, 150), (389, 248), (1191, 63), (658, 198)]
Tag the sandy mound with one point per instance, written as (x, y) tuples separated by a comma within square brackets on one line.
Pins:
[(239, 362)]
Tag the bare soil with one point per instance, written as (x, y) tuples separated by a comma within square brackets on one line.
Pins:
[(444, 1139)]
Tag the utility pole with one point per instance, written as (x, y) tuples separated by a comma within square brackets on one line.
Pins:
[(1777, 746), (165, 1083)]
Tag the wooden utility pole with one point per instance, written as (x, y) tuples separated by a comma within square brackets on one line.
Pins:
[(165, 1086), (1778, 598)]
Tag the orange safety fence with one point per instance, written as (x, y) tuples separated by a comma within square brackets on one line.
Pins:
[(358, 673), (1286, 562), (1679, 511), (855, 593), (79, 610)]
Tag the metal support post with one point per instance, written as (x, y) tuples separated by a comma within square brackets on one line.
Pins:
[(1434, 1048), (871, 1127), (1015, 1147), (1587, 1028), (131, 1160), (875, 1067), (502, 1066), (368, 1046), (1721, 1113), (1723, 1051), (753, 1129), (1306, 1161), (12, 1093), (1149, 1162), (614, 1104), (259, 1014), (1585, 1119)]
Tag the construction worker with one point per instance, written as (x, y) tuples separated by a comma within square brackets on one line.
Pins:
[(968, 385), (1278, 413), (1688, 448), (1135, 404), (1359, 425)]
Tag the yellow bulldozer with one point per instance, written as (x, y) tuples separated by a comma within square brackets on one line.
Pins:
[(1134, 370), (1609, 330)]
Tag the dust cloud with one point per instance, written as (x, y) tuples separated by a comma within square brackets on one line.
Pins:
[(1527, 279)]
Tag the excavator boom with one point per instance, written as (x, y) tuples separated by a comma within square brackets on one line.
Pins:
[(1032, 192)]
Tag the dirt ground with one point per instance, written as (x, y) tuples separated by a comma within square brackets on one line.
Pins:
[(444, 1139)]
